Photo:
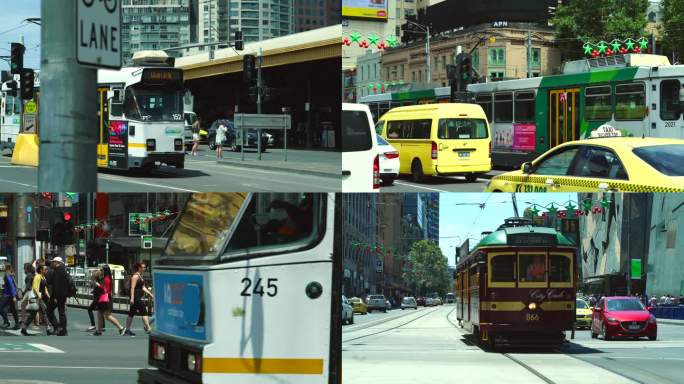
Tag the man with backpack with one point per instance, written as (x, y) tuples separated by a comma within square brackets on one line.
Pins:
[(60, 286)]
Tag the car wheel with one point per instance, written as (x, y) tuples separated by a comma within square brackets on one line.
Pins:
[(384, 310), (593, 335), (654, 337), (471, 177), (417, 171), (388, 180), (402, 308), (351, 320), (605, 333)]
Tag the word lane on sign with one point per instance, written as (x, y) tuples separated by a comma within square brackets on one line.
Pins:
[(98, 41)]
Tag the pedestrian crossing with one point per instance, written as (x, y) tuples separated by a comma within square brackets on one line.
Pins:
[(27, 347)]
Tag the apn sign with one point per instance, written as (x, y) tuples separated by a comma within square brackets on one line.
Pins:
[(499, 24), (98, 41)]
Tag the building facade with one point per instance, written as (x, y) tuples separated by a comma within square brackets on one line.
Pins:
[(312, 14), (156, 25), (429, 203), (665, 266), (369, 70), (360, 264), (390, 238)]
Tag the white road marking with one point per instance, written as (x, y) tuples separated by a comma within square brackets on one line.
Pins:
[(18, 183), (419, 186), (73, 367), (46, 348), (114, 178)]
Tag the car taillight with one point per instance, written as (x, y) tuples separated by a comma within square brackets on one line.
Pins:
[(391, 155), (434, 151), (194, 362), (158, 351), (178, 144), (376, 172), (151, 144)]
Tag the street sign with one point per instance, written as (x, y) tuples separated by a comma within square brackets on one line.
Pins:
[(262, 121), (137, 225), (636, 268), (146, 242), (30, 108), (378, 266), (70, 260), (29, 124), (98, 41)]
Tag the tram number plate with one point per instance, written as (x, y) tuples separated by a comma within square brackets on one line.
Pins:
[(258, 289), (532, 317), (464, 154)]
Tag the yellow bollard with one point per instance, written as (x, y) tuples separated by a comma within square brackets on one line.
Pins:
[(25, 150)]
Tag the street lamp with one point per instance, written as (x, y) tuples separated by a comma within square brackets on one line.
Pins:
[(426, 30)]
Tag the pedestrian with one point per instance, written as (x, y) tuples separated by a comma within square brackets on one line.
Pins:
[(220, 138), (10, 297), (29, 273), (97, 291), (39, 299), (653, 302), (137, 291), (58, 286), (105, 304), (195, 136)]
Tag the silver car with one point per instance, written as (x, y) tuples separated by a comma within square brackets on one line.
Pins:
[(409, 302), (377, 302), (347, 312)]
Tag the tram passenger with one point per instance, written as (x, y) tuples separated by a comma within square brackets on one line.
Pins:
[(536, 271)]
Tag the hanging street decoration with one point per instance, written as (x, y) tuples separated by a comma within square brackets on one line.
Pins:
[(151, 217), (573, 208), (371, 40), (604, 48)]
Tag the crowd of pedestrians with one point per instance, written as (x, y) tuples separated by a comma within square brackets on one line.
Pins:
[(48, 285)]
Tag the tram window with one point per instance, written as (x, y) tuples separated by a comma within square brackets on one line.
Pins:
[(485, 101), (670, 107), (130, 105), (630, 101), (557, 163), (524, 107), (275, 220), (600, 163), (503, 107), (597, 105), (503, 269), (204, 224), (559, 269), (532, 268)]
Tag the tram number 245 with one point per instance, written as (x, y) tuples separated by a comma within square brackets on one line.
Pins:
[(258, 289)]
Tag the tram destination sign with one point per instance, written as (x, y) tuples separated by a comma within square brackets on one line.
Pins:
[(98, 37), (532, 239)]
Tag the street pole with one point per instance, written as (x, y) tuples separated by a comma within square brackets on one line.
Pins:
[(68, 157), (260, 56), (427, 55)]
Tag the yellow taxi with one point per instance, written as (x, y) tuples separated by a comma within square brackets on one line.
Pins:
[(358, 305), (605, 162), (583, 314)]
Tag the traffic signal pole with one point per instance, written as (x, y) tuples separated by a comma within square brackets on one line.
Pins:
[(260, 58), (68, 156), (427, 55)]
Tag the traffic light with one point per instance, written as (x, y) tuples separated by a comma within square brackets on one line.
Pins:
[(12, 88), (464, 71), (26, 79), (17, 58), (239, 46), (248, 67), (62, 221), (69, 217), (407, 35)]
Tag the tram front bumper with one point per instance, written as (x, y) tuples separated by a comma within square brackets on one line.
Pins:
[(154, 376)]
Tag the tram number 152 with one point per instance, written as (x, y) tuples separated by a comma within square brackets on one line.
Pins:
[(258, 289)]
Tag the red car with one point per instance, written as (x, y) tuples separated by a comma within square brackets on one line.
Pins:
[(622, 316), (420, 301)]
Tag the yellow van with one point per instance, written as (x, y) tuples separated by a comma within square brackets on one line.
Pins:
[(439, 139)]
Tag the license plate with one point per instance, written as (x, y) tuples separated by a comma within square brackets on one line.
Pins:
[(388, 170), (464, 154), (634, 327)]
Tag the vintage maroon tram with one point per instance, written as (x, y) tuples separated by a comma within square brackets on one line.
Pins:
[(517, 287)]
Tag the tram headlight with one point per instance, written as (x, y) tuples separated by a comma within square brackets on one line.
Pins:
[(178, 144), (194, 362), (158, 351), (532, 306), (151, 144)]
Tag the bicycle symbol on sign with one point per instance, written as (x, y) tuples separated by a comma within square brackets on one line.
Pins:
[(110, 5)]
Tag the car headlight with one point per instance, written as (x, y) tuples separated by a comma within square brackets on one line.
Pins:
[(612, 319)]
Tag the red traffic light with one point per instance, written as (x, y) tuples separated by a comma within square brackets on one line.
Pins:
[(67, 216)]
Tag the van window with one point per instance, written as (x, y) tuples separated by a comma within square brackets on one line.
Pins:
[(462, 129), (503, 107), (409, 129), (356, 132)]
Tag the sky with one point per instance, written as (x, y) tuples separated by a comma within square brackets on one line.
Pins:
[(12, 28), (460, 216)]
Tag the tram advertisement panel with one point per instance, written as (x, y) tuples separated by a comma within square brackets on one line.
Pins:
[(118, 144), (179, 305), (524, 137)]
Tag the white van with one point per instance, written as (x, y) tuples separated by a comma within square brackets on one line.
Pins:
[(360, 160)]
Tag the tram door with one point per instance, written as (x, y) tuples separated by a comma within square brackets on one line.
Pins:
[(563, 116)]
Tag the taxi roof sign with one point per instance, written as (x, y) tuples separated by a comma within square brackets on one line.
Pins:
[(605, 131)]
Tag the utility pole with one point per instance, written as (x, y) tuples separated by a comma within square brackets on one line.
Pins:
[(427, 55), (529, 53), (260, 58), (68, 156)]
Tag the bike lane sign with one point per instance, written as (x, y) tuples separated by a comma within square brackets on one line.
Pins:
[(98, 37)]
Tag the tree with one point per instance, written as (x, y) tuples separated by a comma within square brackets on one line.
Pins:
[(672, 27), (427, 268), (582, 20)]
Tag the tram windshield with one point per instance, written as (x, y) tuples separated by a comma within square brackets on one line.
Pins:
[(154, 104), (532, 268), (242, 224)]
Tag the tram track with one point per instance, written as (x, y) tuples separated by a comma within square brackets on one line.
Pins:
[(391, 328)]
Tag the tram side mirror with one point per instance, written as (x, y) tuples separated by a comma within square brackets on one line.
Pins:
[(526, 167)]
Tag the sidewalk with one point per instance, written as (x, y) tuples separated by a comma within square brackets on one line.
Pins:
[(670, 321), (318, 163)]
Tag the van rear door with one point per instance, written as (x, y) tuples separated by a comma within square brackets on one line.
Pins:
[(359, 149), (463, 145)]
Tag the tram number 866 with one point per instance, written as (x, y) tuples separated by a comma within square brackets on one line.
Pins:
[(258, 289), (532, 317)]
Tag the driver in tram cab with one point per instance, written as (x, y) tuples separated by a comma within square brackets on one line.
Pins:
[(299, 221), (536, 270)]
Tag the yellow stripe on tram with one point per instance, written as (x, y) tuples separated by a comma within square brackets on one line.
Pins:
[(136, 145), (265, 366)]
